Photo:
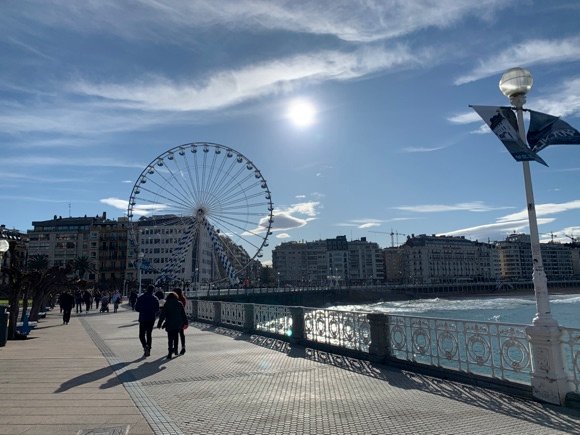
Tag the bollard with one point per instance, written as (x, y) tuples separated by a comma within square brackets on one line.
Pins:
[(3, 325), (248, 318), (379, 348), (298, 332)]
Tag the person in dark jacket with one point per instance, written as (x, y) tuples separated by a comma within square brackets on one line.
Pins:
[(67, 302), (87, 300), (181, 298), (147, 306), (133, 299), (172, 318)]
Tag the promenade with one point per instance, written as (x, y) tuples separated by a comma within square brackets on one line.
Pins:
[(89, 377)]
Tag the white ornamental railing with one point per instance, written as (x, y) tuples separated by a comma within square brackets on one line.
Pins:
[(499, 351)]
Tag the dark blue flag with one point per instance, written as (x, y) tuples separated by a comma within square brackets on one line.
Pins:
[(502, 121), (550, 130)]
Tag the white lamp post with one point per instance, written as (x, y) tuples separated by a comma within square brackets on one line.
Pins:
[(548, 379), (141, 256)]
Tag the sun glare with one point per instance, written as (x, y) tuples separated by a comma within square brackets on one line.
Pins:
[(302, 113)]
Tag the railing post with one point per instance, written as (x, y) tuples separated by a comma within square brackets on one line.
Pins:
[(249, 318), (549, 380), (379, 348), (194, 309), (217, 313), (298, 333)]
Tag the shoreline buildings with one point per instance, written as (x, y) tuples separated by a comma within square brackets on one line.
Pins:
[(421, 260)]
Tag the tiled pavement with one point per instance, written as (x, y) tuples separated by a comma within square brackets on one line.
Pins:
[(89, 375)]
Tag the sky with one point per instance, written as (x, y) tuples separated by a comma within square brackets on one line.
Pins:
[(355, 112)]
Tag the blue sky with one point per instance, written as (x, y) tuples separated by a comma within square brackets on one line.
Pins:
[(92, 91)]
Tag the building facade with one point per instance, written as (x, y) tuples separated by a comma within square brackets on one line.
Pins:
[(441, 260), (330, 262), (515, 254)]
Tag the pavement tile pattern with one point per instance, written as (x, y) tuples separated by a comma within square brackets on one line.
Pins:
[(231, 383)]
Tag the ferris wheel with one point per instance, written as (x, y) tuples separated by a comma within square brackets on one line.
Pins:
[(200, 212)]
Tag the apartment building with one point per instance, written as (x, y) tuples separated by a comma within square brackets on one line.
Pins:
[(515, 256), (328, 262), (435, 259)]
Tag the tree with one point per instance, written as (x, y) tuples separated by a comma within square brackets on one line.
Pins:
[(42, 282), (81, 265), (15, 273)]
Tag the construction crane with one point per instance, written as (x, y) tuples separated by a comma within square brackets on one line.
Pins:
[(393, 234), (572, 238)]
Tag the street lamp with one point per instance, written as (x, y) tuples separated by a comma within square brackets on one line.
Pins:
[(139, 263), (515, 83), (549, 378)]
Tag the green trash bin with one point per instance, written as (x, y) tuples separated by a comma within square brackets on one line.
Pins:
[(3, 325)]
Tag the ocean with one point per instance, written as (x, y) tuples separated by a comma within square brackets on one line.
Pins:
[(507, 309)]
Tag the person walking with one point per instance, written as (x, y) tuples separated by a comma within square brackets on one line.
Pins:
[(147, 306), (67, 302), (133, 299), (97, 297), (172, 318), (79, 301), (116, 299), (183, 301), (87, 300)]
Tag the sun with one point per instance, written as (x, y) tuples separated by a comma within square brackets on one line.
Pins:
[(302, 113)]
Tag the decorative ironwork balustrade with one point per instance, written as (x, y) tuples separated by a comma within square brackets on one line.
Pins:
[(570, 341), (349, 329), (205, 310), (275, 319), (233, 313), (497, 350)]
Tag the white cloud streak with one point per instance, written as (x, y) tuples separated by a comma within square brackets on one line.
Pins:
[(543, 210), (230, 87), (422, 149), (527, 53), (348, 20), (31, 160), (517, 222), (475, 206)]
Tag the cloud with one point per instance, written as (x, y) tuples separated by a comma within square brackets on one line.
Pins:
[(33, 160), (517, 221), (38, 199), (362, 223), (283, 236), (175, 20), (138, 210), (23, 177), (475, 206), (422, 149), (230, 87), (527, 53), (306, 208), (285, 221), (497, 230), (465, 118), (285, 218), (543, 210)]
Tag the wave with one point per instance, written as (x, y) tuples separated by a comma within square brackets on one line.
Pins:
[(419, 306), (520, 310)]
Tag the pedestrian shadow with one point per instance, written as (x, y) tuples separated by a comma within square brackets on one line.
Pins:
[(550, 416), (135, 374), (95, 375), (129, 325), (47, 326)]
